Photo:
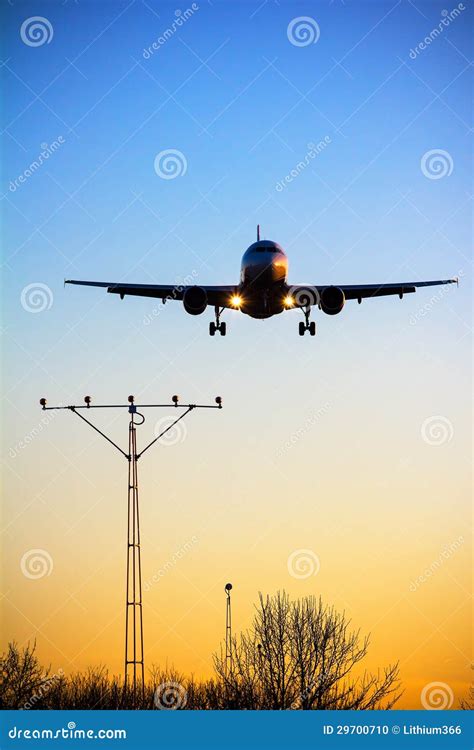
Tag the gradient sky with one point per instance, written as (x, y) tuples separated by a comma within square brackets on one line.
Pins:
[(355, 444)]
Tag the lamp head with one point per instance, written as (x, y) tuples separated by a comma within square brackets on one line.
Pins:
[(175, 400), (87, 400), (131, 399), (228, 587), (218, 400), (43, 402)]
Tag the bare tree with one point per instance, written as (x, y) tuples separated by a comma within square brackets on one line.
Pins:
[(21, 676), (467, 703), (301, 654), (297, 655)]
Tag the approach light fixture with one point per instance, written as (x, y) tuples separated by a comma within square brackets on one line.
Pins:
[(43, 402), (219, 401), (175, 400), (87, 400)]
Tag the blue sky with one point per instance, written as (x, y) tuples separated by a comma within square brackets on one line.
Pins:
[(251, 99), (241, 103)]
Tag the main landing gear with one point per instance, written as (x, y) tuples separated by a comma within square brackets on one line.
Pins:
[(217, 326), (307, 325)]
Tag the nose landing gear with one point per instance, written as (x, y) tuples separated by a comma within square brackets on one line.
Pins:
[(221, 327), (311, 327), (307, 325), (217, 326)]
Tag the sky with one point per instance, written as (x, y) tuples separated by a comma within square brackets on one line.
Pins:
[(340, 465)]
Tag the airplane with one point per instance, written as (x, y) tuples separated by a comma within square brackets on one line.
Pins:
[(263, 290)]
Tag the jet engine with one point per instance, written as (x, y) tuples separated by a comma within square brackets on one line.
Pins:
[(195, 300), (332, 300)]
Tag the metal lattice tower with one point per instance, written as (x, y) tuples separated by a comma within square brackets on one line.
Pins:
[(134, 672), (134, 657), (228, 633)]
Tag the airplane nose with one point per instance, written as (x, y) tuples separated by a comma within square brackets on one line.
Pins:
[(264, 273), (262, 267)]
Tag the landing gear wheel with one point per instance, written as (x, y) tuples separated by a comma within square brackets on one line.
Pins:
[(312, 328), (217, 326), (301, 328)]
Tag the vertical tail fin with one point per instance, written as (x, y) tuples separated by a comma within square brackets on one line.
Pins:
[(258, 232)]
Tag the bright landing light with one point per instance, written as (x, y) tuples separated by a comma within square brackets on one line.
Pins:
[(288, 301), (236, 301)]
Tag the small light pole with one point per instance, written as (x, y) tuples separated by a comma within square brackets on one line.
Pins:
[(134, 655), (228, 633)]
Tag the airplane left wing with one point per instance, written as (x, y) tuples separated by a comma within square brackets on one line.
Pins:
[(216, 295)]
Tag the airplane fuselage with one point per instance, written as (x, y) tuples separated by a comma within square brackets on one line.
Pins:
[(263, 279)]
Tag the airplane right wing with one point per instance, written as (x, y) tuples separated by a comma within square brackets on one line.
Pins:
[(219, 296)]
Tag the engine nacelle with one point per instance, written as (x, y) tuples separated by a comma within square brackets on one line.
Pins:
[(195, 300), (332, 300)]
